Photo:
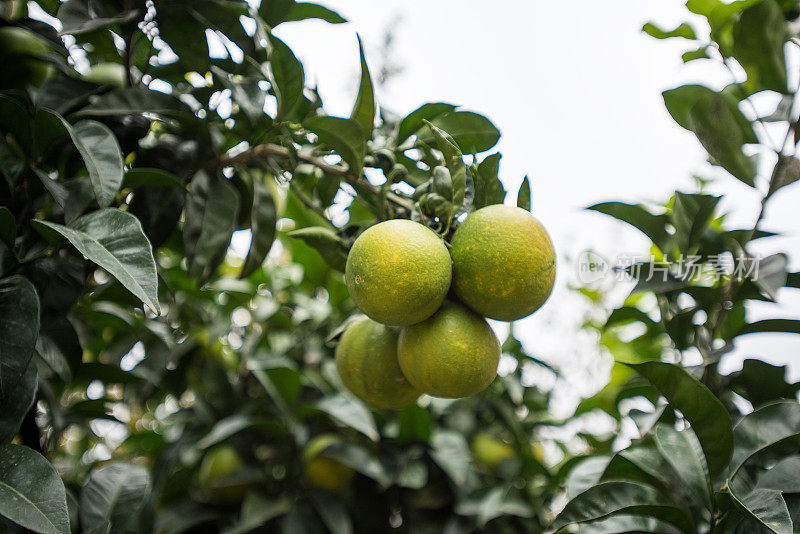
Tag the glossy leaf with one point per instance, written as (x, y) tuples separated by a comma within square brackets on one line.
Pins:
[(415, 120), (488, 187), (326, 242), (783, 476), (263, 217), (767, 507), (364, 109), (621, 523), (14, 408), (115, 494), (114, 240), (706, 414), (31, 492), (345, 136), (763, 428), (19, 328), (351, 413), (758, 38), (308, 10), (288, 77), (683, 452)]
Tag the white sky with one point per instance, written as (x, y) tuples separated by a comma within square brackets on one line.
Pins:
[(575, 88)]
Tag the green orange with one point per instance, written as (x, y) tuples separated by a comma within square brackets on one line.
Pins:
[(490, 450), (218, 474), (398, 272), (366, 358), (504, 264), (322, 471), (452, 354), (20, 66)]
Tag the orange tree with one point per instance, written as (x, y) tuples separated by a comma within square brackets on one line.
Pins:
[(174, 230)]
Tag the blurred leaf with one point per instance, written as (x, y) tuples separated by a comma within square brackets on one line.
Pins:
[(760, 382), (683, 452), (679, 103), (653, 226), (332, 512), (450, 451), (14, 408), (789, 326), (287, 78), (759, 35), (8, 227), (135, 100), (224, 429), (58, 345), (307, 10), (619, 497), (683, 30), (708, 417), (257, 510), (787, 172), (691, 214), (31, 492), (763, 428), (76, 18), (524, 194), (116, 493), (182, 517), (621, 523), (263, 217), (342, 135), (19, 328), (326, 242), (471, 132), (415, 424), (15, 120), (350, 413), (275, 11), (361, 460), (364, 109), (114, 240), (488, 187), (700, 53), (415, 120), (771, 274)]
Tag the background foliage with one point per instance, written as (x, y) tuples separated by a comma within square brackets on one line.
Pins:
[(136, 336)]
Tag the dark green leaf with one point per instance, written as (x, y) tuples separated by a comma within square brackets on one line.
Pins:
[(364, 109), (683, 452), (787, 172), (31, 492), (765, 427), (454, 160), (415, 424), (8, 227), (326, 242), (471, 132), (16, 120), (116, 493), (415, 120), (262, 226), (19, 328), (708, 417), (760, 382), (488, 187), (351, 413), (287, 78), (151, 177), (653, 226), (256, 510), (275, 11), (767, 507), (76, 18), (224, 429), (683, 30), (691, 214), (679, 102), (114, 240), (759, 35), (360, 459), (619, 497), (621, 523), (307, 10), (134, 100), (342, 135), (790, 326), (13, 409), (524, 194), (783, 476), (102, 156)]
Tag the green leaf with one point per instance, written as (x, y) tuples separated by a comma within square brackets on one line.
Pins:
[(415, 424), (783, 476), (326, 242), (488, 187), (8, 227), (524, 194), (450, 451), (31, 492), (789, 326), (618, 497), (19, 328), (263, 217), (707, 415), (683, 452), (691, 214), (351, 413), (683, 30), (760, 382), (135, 100), (151, 177), (763, 428), (16, 120), (13, 409), (275, 11), (114, 240), (471, 132), (256, 510), (787, 172), (76, 18), (307, 10), (767, 507), (585, 473), (758, 38), (364, 109), (415, 120), (653, 226), (212, 209), (454, 160), (224, 429), (621, 523), (361, 460), (342, 135), (679, 102), (691, 55), (116, 493), (287, 77), (102, 156)]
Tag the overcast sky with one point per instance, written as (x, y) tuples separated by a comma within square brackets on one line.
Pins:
[(575, 88)]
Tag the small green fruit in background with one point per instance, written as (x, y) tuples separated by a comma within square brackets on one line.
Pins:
[(112, 74), (20, 63), (218, 475), (490, 450), (366, 358), (323, 472)]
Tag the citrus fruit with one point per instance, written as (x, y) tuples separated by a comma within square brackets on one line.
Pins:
[(19, 64), (398, 272), (324, 472), (218, 474), (490, 450), (503, 263), (366, 358), (452, 354)]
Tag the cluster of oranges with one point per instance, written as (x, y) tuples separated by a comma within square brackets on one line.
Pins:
[(426, 301)]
